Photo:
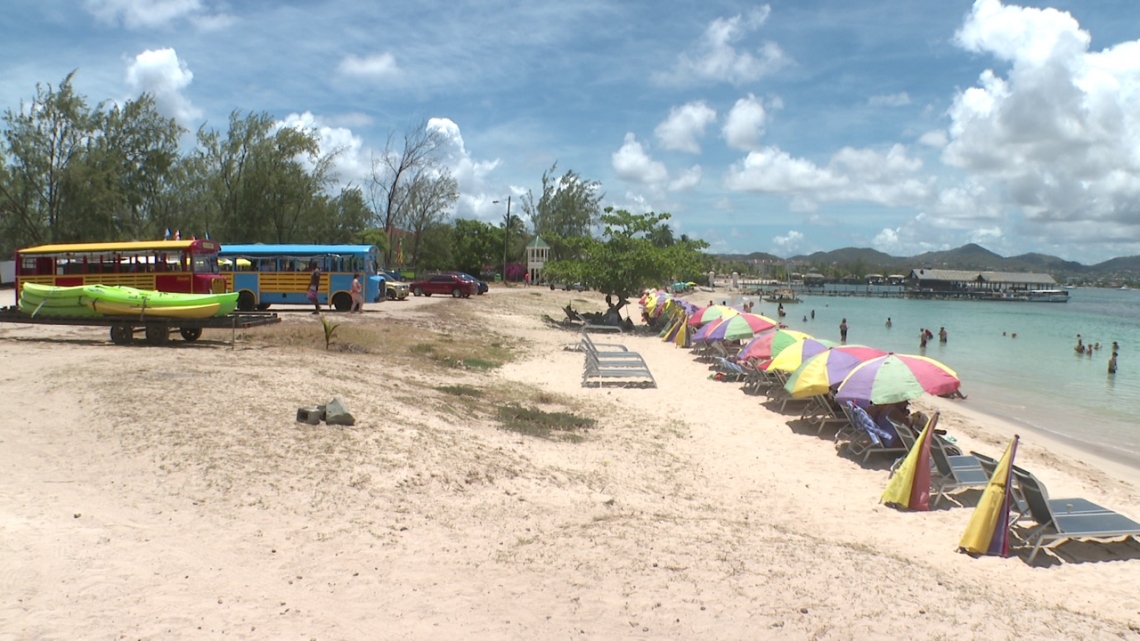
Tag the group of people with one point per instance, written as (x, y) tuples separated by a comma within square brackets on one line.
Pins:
[(356, 290), (1087, 350), (925, 335)]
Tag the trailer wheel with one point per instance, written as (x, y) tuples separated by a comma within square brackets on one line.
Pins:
[(246, 302), (122, 334), (190, 334), (342, 302), (157, 335)]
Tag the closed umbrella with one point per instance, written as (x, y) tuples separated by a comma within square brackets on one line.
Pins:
[(988, 530)]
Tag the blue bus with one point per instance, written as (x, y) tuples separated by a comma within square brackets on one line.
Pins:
[(265, 275)]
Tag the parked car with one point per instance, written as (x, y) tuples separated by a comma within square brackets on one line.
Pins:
[(445, 284), (481, 283), (395, 288)]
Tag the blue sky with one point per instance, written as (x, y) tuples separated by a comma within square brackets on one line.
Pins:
[(786, 127)]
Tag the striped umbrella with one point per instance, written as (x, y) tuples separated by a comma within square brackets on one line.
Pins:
[(897, 377), (708, 314), (768, 343), (738, 327), (817, 374), (790, 358)]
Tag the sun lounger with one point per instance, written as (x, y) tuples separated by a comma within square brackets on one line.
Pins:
[(870, 438), (1060, 520), (824, 411), (630, 369), (954, 471)]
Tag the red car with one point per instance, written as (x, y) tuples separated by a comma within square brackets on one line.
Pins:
[(445, 284)]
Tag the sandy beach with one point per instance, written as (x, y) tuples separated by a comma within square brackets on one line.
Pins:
[(167, 493)]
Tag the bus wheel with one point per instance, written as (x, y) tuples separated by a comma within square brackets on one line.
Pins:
[(342, 302), (190, 334), (455, 293), (122, 334), (261, 307), (157, 335), (246, 302)]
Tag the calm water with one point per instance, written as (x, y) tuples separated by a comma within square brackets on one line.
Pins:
[(1036, 378)]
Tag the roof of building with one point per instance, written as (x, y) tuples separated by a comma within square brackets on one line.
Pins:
[(961, 275), (538, 242)]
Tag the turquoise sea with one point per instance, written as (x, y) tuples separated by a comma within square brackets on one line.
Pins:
[(1036, 379)]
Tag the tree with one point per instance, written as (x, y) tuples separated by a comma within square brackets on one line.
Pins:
[(40, 141), (568, 208), (475, 244), (431, 194), (395, 170), (626, 259)]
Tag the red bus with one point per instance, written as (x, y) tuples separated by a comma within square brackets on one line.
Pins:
[(189, 266)]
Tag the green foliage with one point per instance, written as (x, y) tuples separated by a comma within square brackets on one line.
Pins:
[(330, 329), (630, 257), (568, 208), (475, 244)]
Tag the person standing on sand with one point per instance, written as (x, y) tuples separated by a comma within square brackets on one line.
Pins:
[(314, 286), (357, 293), (843, 331)]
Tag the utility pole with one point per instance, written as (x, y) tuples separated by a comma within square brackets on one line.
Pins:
[(506, 235)]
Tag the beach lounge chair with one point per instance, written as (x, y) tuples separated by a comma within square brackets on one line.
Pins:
[(954, 471), (824, 411), (731, 370), (870, 438), (1060, 520), (628, 371)]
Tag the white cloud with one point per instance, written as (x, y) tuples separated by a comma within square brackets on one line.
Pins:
[(148, 14), (1059, 133), (889, 178), (684, 126), (900, 99), (470, 174), (379, 66), (164, 76), (787, 244), (688, 179), (745, 124), (715, 57), (352, 164), (935, 138), (633, 164)]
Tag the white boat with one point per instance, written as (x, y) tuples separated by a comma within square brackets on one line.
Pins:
[(1036, 296), (1047, 296)]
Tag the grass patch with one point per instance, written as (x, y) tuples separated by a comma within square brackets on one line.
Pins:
[(530, 421), (461, 390)]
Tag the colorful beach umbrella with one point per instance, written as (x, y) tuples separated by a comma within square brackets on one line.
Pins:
[(790, 357), (738, 327), (818, 374), (895, 378), (766, 344), (706, 315), (909, 487), (988, 530)]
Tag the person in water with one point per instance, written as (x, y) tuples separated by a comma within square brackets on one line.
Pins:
[(843, 331), (888, 322), (1112, 363), (942, 335)]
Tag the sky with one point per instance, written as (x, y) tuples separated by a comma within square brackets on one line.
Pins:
[(786, 127)]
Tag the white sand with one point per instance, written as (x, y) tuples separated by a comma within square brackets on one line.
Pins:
[(158, 493)]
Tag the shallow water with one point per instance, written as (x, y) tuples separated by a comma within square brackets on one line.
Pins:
[(1036, 378)]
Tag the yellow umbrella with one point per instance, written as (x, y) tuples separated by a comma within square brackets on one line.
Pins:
[(909, 488), (988, 530)]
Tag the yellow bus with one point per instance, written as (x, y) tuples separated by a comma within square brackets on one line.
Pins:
[(189, 266)]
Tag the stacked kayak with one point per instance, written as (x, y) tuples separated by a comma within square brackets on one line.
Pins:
[(104, 300)]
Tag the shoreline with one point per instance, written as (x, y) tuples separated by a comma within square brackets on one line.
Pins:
[(689, 510)]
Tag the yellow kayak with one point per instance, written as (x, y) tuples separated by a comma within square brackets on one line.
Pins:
[(109, 308)]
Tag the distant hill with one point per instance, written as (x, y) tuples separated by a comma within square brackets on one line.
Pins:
[(971, 256)]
